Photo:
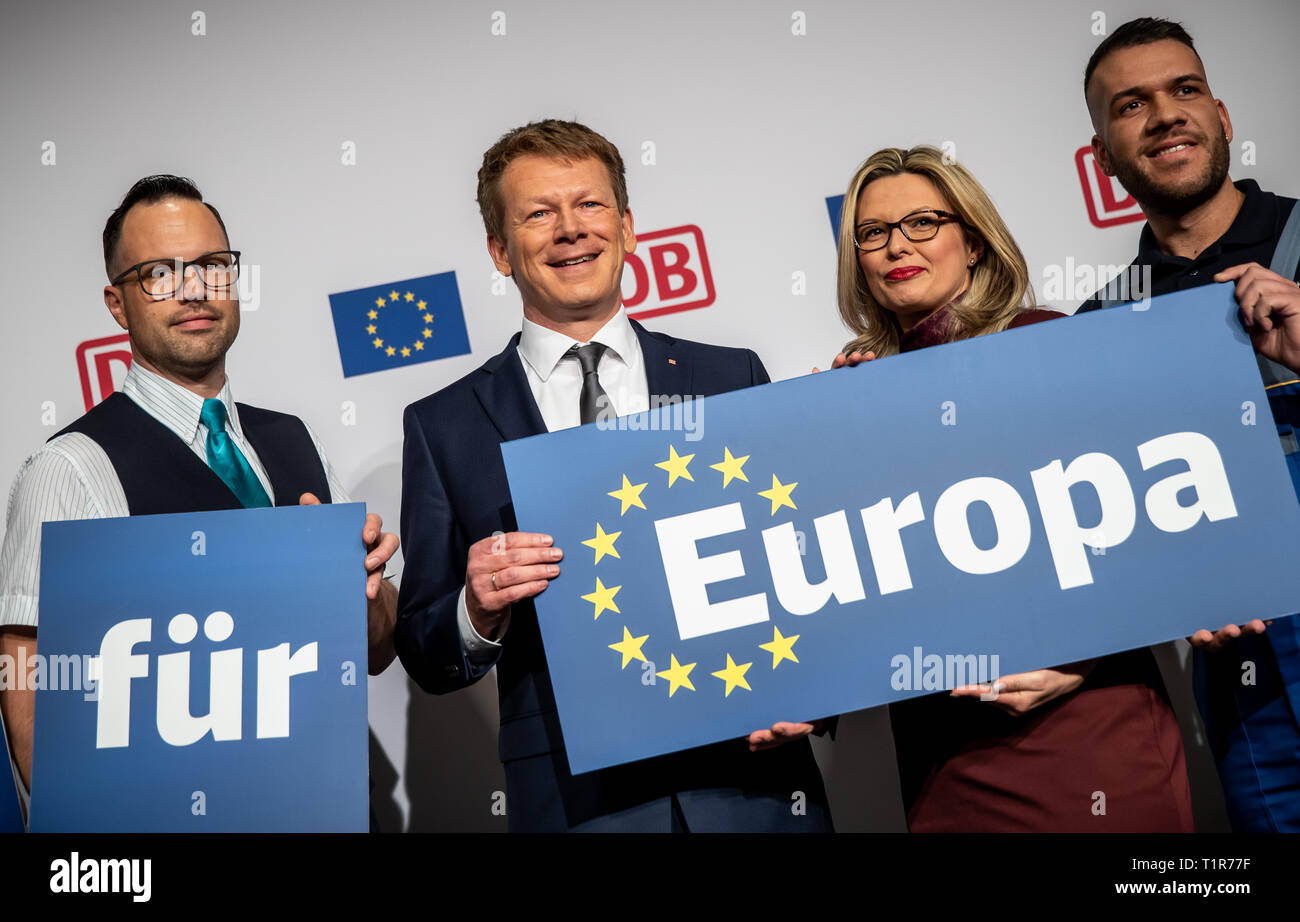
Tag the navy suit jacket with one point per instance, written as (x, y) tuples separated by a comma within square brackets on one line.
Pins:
[(454, 493)]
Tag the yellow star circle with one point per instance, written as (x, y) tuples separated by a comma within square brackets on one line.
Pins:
[(426, 333), (677, 466)]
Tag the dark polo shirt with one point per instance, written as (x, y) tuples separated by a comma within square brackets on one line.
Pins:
[(1252, 237)]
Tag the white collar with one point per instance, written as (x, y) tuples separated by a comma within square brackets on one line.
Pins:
[(174, 405), (543, 348)]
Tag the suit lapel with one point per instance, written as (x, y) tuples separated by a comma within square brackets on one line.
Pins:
[(508, 400), (668, 371), (506, 397)]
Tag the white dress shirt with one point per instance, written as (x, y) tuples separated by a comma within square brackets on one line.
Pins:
[(556, 382)]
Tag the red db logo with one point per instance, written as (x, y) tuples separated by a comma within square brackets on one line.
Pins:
[(103, 364), (669, 272), (1108, 203)]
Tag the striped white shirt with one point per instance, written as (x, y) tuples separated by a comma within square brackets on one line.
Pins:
[(71, 477)]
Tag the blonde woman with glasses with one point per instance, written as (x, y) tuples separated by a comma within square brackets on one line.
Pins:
[(924, 259)]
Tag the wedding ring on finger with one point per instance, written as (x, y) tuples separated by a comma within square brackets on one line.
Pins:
[(494, 581)]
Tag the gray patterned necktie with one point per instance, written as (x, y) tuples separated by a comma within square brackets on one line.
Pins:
[(593, 398)]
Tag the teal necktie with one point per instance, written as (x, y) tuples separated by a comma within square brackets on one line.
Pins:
[(226, 461)]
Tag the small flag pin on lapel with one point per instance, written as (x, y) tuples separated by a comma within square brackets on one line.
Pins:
[(672, 361)]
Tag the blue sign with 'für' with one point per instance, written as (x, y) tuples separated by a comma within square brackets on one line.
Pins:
[(202, 673)]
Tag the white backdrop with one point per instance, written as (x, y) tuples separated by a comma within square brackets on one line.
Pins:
[(739, 119)]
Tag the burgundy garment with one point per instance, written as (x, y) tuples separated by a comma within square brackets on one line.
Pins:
[(1106, 758), (933, 330), (1099, 760), (1033, 315)]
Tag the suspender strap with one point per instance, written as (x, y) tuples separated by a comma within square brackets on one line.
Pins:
[(1286, 257)]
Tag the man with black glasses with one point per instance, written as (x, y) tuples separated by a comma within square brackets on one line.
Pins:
[(173, 440)]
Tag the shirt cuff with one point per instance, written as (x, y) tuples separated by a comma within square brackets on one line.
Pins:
[(18, 611), (478, 650)]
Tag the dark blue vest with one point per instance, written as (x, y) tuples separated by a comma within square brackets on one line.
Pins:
[(161, 474)]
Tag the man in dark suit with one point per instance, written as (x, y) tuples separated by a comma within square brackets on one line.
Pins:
[(554, 200)]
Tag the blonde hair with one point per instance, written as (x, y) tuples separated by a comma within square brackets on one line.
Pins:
[(999, 285), (548, 138)]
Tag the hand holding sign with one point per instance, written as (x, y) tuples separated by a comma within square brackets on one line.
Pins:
[(1021, 693), (782, 732), (1270, 309), (850, 360), (504, 569), (1216, 641)]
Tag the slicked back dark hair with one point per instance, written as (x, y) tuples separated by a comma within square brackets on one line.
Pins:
[(147, 191), (1136, 32)]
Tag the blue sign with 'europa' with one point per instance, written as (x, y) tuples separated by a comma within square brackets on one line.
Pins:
[(203, 673), (841, 540)]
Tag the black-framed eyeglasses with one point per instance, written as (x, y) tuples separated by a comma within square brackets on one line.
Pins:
[(916, 227), (160, 279)]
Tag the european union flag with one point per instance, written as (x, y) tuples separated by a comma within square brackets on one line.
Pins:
[(399, 323)]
